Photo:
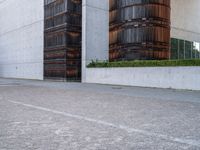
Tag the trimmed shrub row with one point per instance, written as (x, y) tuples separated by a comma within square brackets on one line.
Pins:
[(145, 63)]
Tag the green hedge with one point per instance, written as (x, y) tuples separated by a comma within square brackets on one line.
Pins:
[(145, 63)]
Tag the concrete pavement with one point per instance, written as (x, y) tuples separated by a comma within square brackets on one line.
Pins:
[(46, 115)]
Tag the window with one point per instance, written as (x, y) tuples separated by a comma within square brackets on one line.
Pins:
[(182, 49)]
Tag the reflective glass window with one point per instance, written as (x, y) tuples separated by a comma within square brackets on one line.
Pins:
[(183, 49), (188, 48), (174, 48)]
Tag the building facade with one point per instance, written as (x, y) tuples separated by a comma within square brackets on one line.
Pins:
[(58, 38)]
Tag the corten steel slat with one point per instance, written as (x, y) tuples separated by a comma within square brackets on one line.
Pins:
[(139, 29), (62, 39)]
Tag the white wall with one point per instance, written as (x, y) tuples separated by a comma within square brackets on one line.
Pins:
[(21, 39), (159, 77), (185, 19), (95, 32)]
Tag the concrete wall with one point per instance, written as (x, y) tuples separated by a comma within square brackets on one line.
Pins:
[(159, 77), (185, 19), (95, 32), (21, 39)]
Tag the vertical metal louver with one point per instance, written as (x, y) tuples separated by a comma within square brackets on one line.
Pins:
[(139, 29), (62, 39)]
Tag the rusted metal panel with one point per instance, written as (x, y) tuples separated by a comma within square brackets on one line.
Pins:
[(62, 39), (139, 29)]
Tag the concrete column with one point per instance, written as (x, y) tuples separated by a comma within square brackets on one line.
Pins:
[(95, 32)]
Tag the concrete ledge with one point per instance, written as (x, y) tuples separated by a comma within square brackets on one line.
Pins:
[(158, 77)]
